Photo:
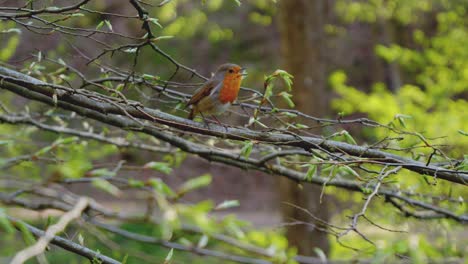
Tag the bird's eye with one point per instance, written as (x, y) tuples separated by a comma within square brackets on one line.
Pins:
[(231, 71)]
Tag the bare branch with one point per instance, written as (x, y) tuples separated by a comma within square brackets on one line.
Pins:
[(50, 233), (37, 90), (67, 244)]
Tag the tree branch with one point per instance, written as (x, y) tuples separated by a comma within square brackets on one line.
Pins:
[(67, 244), (113, 113)]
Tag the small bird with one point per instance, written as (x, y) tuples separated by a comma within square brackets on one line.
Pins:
[(217, 94)]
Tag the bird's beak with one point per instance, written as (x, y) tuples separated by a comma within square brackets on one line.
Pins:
[(243, 71)]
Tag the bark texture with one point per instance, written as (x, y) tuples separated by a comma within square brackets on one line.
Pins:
[(302, 40)]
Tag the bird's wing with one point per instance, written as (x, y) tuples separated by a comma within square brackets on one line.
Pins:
[(205, 90)]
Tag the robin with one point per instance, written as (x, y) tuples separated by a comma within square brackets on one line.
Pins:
[(217, 94)]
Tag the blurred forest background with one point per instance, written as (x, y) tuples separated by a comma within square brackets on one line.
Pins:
[(400, 63)]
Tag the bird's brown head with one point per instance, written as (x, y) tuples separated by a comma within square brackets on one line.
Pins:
[(230, 71), (231, 76)]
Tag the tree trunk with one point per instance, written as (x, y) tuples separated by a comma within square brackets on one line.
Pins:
[(301, 27)]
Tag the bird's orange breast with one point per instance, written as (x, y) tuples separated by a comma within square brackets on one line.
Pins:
[(231, 86)]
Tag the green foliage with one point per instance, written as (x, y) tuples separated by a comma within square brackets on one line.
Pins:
[(404, 11), (28, 237), (269, 83), (430, 103), (227, 204), (169, 256), (246, 149), (195, 183), (159, 166), (438, 69), (5, 224), (12, 34), (106, 186)]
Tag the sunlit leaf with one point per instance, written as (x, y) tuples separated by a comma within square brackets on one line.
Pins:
[(154, 21), (135, 183), (287, 98), (125, 259), (158, 166), (311, 171), (348, 137), (103, 172), (81, 239), (169, 256), (100, 25), (246, 149), (161, 187), (28, 237), (5, 223), (227, 204), (106, 186), (109, 25), (195, 183), (203, 241)]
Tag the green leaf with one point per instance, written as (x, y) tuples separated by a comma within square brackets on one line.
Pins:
[(44, 150), (62, 62), (158, 166), (260, 123), (169, 256), (125, 259), (5, 224), (301, 126), (109, 25), (65, 141), (131, 50), (184, 241), (311, 172), (162, 37), (348, 170), (321, 254), (348, 137), (104, 172), (203, 241), (246, 149), (106, 186), (227, 204), (135, 183), (81, 239), (12, 30), (154, 21), (401, 119), (269, 90), (366, 190), (160, 187), (287, 98), (100, 25), (149, 77), (238, 2), (195, 183), (27, 235), (8, 50), (287, 114), (5, 142), (463, 132)]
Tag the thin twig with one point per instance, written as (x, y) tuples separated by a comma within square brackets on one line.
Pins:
[(50, 233)]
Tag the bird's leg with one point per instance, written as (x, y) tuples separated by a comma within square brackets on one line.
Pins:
[(219, 123), (205, 121)]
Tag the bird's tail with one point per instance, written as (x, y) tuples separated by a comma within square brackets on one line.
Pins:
[(191, 114)]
